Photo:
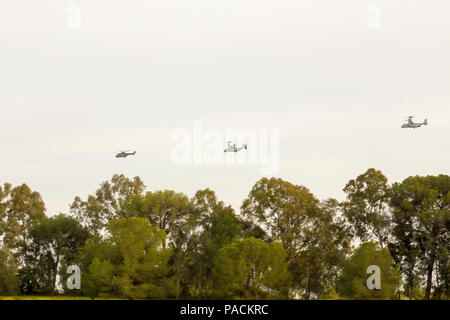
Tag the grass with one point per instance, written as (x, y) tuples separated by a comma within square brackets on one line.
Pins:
[(52, 298)]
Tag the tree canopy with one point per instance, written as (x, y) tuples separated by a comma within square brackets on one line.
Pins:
[(133, 243), (353, 282), (132, 262), (251, 269)]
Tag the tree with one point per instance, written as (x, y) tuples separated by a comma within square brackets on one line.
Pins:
[(251, 269), (9, 282), (166, 209), (353, 283), (442, 288), (98, 279), (107, 203), (326, 244), (421, 207), (177, 215), (55, 242), (315, 240), (367, 206), (281, 209), (20, 207), (131, 262), (216, 225), (406, 253)]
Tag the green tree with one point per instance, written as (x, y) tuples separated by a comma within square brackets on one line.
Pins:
[(367, 206), (167, 209), (314, 238), (99, 279), (421, 207), (20, 207), (406, 253), (354, 276), (325, 246), (251, 269), (108, 202), (55, 242), (179, 217), (131, 262), (9, 282), (216, 225), (282, 210), (442, 288)]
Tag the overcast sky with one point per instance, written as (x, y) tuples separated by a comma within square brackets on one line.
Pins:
[(136, 70)]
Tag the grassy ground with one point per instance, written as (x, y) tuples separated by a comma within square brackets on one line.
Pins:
[(86, 298), (51, 298)]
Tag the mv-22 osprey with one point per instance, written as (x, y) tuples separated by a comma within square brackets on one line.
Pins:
[(234, 148), (411, 124)]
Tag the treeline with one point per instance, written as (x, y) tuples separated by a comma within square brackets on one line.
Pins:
[(284, 244)]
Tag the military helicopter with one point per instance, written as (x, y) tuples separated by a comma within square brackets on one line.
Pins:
[(233, 148), (412, 124), (124, 154)]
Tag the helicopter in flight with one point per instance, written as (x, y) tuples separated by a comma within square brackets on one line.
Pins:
[(233, 148), (124, 154), (411, 124)]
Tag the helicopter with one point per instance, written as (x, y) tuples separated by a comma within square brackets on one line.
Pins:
[(124, 154), (233, 148), (412, 124)]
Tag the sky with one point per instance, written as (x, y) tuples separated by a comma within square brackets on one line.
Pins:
[(82, 79)]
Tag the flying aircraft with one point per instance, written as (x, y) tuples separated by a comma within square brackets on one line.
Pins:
[(124, 154), (411, 124), (233, 148)]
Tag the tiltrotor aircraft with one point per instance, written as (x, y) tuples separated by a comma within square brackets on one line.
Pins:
[(124, 154), (233, 148), (411, 124)]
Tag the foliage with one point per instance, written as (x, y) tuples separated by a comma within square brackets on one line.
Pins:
[(216, 225), (285, 243), (326, 243), (132, 262), (54, 242), (251, 269), (281, 209), (168, 210), (421, 207), (20, 207), (107, 203), (9, 282), (367, 206), (353, 281), (315, 240)]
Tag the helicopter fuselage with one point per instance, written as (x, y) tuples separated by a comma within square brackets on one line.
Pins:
[(233, 148), (125, 154)]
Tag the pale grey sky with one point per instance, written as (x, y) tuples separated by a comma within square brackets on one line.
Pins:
[(136, 70)]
